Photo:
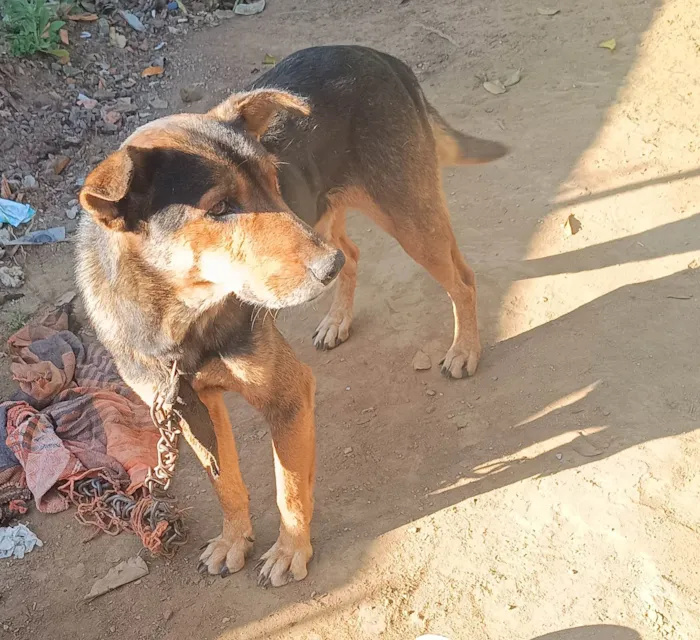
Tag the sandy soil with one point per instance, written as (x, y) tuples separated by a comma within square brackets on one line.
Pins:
[(557, 491)]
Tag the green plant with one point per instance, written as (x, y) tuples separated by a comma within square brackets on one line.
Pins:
[(32, 27)]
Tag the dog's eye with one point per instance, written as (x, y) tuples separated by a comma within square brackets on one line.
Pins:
[(219, 209)]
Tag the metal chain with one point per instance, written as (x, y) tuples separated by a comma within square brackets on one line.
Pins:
[(166, 418)]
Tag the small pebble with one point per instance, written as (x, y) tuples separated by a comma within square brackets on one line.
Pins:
[(559, 456), (430, 392), (347, 451)]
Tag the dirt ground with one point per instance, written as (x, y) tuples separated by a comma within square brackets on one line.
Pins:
[(554, 493)]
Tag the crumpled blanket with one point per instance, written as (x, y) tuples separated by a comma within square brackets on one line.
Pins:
[(73, 413), (16, 541)]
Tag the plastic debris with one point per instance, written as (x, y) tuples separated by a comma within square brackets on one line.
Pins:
[(249, 9), (15, 213), (124, 573), (85, 35), (44, 236), (132, 20), (17, 541), (172, 6)]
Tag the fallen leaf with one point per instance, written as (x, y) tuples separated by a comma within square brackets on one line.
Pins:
[(694, 264), (5, 189), (60, 163), (572, 225), (268, 59), (63, 34), (513, 78), (152, 71), (62, 55), (545, 11), (608, 44), (494, 87), (83, 17)]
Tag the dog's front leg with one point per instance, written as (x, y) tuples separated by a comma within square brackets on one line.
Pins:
[(273, 381), (227, 552)]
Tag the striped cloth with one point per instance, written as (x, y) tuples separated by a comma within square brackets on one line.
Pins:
[(73, 414)]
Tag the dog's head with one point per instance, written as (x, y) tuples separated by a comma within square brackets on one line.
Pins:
[(196, 196)]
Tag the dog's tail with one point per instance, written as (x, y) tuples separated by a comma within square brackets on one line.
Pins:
[(454, 147)]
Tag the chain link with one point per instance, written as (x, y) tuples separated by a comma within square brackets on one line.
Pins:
[(166, 418)]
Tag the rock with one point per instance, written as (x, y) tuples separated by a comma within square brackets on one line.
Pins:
[(347, 451), (461, 422), (193, 94), (73, 212), (167, 614), (29, 183), (430, 392), (103, 27), (11, 277), (694, 264), (158, 103), (125, 572), (120, 40), (421, 361), (59, 164), (158, 61)]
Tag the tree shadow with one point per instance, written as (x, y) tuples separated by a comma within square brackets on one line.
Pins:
[(593, 632)]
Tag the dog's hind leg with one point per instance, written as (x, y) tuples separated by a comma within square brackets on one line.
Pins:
[(422, 227), (335, 327)]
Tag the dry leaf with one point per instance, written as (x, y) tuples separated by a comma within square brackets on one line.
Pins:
[(609, 44), (268, 59), (83, 17), (545, 11), (152, 71), (5, 189), (494, 87), (60, 163), (572, 225), (513, 78), (63, 34)]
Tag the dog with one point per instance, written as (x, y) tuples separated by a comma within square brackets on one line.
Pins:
[(200, 224)]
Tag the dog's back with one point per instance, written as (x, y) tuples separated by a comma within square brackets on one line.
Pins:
[(370, 126)]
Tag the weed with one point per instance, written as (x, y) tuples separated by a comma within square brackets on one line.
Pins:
[(32, 27), (16, 321)]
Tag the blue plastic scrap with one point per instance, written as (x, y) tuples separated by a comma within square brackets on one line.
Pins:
[(15, 213)]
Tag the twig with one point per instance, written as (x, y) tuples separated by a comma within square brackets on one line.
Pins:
[(437, 32)]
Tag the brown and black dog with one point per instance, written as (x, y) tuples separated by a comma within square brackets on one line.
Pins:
[(200, 221)]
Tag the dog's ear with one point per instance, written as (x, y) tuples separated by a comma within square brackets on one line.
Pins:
[(255, 109), (107, 187)]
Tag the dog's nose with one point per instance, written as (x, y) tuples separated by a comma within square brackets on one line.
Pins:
[(328, 267)]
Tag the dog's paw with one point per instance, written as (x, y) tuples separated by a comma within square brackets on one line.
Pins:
[(284, 562), (460, 359), (225, 555), (333, 330)]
